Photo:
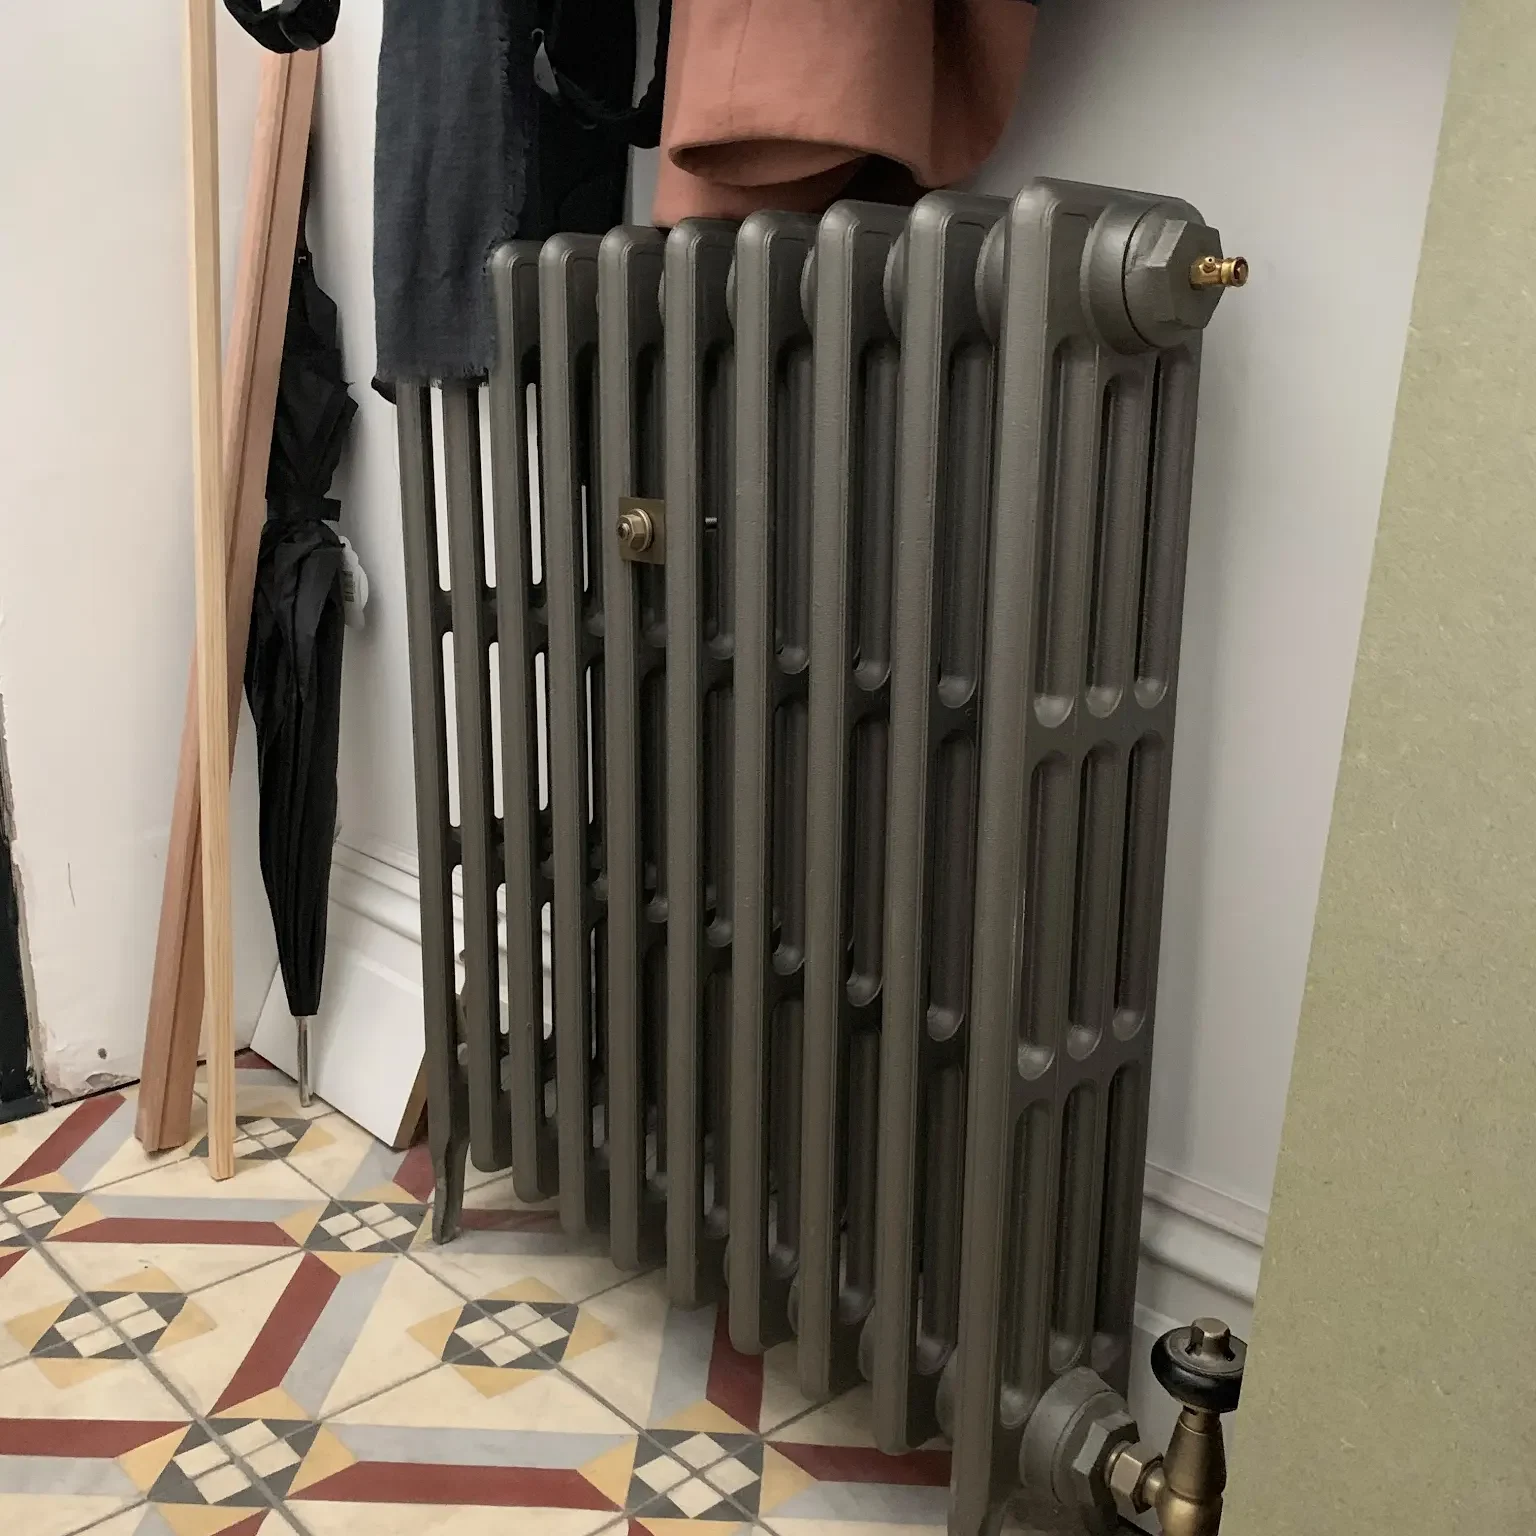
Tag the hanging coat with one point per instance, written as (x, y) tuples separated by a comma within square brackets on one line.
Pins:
[(783, 104), (471, 150)]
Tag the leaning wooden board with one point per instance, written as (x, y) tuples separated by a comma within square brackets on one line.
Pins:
[(284, 114), (210, 542)]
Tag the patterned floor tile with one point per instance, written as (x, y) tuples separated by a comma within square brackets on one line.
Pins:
[(126, 1522), (248, 1334), (504, 1240), (193, 1520), (668, 1514), (31, 1213), (668, 1368), (366, 1226), (662, 1519), (55, 1511), (350, 1370), (413, 1519), (668, 1484), (33, 1148), (627, 1368), (742, 1427), (367, 1338), (73, 1433), (12, 1235), (537, 1445), (118, 1147), (308, 1335), (45, 1389), (266, 1205), (475, 1177), (857, 1526), (782, 1398), (262, 1091), (85, 1145), (796, 1484), (227, 1470), (823, 1469), (32, 1295), (345, 1161), (134, 1317), (269, 1138), (527, 1395), (190, 1267)]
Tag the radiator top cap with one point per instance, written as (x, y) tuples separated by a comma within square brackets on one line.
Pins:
[(1155, 274), (1175, 274)]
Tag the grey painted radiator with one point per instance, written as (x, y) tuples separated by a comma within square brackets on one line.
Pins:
[(811, 610)]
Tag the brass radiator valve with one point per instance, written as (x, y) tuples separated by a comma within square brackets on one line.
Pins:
[(1202, 1367), (1081, 1454)]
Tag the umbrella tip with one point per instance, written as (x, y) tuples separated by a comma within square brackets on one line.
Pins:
[(306, 1091)]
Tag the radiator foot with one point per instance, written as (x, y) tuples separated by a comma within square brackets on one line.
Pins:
[(450, 1159), (448, 1190)]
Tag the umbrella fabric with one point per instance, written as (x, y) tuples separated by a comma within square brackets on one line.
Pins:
[(314, 408), (293, 661), (293, 683)]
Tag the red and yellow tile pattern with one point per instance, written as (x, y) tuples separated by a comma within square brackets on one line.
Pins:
[(287, 1354)]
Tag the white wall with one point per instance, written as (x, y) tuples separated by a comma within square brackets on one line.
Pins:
[(1307, 133), (95, 511)]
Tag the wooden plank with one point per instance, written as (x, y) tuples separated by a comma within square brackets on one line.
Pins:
[(284, 114), (210, 539)]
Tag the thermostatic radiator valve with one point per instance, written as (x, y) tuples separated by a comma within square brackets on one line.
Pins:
[(1082, 1450)]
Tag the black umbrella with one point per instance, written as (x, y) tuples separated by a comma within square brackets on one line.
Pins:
[(293, 663)]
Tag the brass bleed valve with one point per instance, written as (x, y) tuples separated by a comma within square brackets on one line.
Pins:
[(1082, 1453)]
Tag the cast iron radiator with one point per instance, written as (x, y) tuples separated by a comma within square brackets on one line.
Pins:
[(795, 704)]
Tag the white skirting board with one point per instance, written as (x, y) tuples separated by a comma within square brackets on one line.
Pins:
[(366, 1044), (366, 1047), (1200, 1252)]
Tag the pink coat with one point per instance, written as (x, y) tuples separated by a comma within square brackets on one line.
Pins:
[(776, 103)]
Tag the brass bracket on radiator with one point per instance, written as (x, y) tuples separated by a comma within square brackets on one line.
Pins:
[(642, 529), (1082, 1452)]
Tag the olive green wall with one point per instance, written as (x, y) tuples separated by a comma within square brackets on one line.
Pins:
[(1392, 1385)]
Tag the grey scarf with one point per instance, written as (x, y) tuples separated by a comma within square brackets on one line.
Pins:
[(457, 114)]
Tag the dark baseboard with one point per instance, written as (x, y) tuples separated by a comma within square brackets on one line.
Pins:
[(17, 1085), (23, 1108)]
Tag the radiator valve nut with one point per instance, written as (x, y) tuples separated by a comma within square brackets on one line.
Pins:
[(642, 529), (1103, 1438), (1076, 1431), (1135, 1474), (636, 530)]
